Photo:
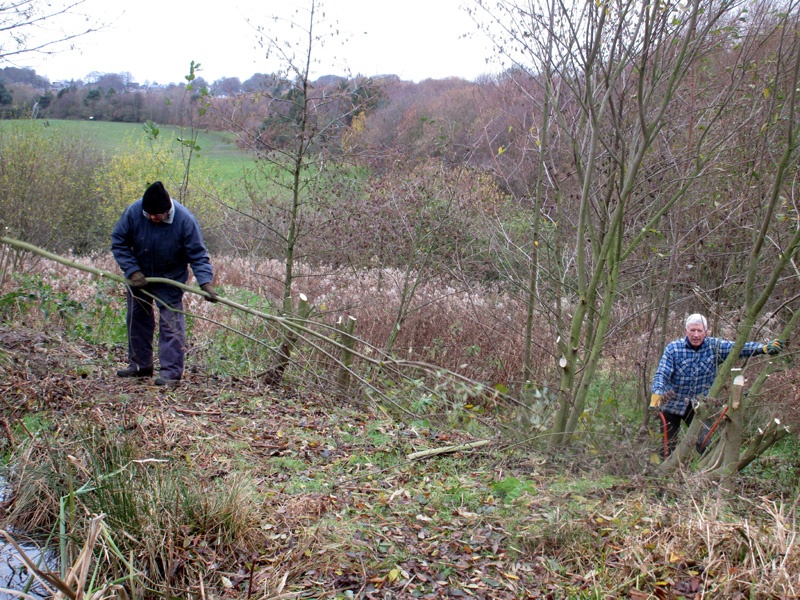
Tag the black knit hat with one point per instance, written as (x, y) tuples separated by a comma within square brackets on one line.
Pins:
[(156, 200)]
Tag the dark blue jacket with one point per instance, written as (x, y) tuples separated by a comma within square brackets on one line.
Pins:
[(161, 249)]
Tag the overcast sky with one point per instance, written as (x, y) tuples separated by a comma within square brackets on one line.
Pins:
[(155, 40)]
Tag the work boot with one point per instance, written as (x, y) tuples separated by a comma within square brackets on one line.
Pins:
[(164, 380), (134, 371)]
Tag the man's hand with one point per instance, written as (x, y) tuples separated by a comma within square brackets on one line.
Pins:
[(137, 280), (209, 289), (655, 401), (774, 347)]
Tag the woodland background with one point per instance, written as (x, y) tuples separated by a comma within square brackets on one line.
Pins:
[(513, 252)]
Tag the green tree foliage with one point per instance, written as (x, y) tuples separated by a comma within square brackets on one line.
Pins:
[(6, 97)]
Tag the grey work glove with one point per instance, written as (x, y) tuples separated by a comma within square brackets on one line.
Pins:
[(137, 279), (209, 290)]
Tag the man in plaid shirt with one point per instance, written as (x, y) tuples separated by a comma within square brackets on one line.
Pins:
[(688, 369)]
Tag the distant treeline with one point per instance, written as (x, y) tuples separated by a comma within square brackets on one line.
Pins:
[(107, 96), (389, 116)]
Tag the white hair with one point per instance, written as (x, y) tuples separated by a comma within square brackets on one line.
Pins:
[(696, 318)]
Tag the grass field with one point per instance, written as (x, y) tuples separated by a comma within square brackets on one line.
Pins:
[(218, 151)]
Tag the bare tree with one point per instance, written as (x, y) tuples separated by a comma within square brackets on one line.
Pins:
[(621, 72), (30, 27), (227, 86), (299, 167), (766, 170)]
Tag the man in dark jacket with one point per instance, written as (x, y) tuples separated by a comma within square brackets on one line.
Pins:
[(158, 237)]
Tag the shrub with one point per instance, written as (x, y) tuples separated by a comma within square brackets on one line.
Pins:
[(47, 186)]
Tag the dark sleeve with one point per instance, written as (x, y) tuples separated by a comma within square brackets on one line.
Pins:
[(197, 253), (122, 245)]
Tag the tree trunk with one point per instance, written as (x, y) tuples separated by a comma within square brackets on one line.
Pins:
[(347, 342), (687, 447), (732, 436), (772, 433), (284, 353)]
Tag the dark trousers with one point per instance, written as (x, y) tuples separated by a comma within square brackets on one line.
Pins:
[(171, 333), (672, 422), (673, 425)]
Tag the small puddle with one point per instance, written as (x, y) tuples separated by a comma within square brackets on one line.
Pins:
[(14, 574)]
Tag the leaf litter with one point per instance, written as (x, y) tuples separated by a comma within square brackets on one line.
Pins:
[(342, 513)]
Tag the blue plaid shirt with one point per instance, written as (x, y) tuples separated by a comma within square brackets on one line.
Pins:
[(690, 372)]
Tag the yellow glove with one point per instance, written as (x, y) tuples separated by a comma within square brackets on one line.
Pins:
[(774, 347), (655, 400)]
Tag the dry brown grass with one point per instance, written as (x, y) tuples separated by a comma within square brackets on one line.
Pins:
[(683, 543), (707, 549), (476, 331)]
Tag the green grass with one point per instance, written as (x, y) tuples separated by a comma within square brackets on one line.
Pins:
[(779, 465), (218, 152), (511, 488), (568, 485)]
